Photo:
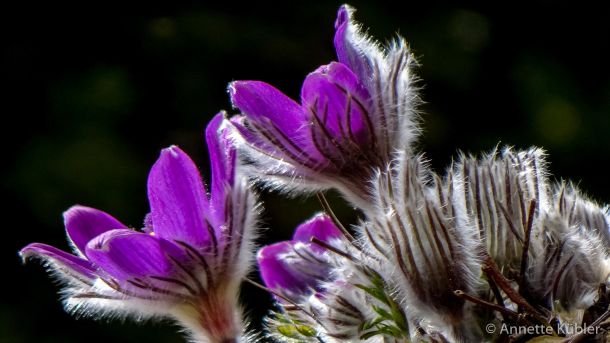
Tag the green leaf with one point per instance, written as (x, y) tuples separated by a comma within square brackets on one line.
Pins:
[(288, 331), (306, 331), (382, 312), (391, 330), (282, 319), (399, 318), (368, 335), (374, 292)]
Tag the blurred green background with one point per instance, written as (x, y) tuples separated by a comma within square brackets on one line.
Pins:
[(93, 93)]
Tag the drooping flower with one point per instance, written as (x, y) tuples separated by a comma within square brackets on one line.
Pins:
[(353, 116), (188, 261)]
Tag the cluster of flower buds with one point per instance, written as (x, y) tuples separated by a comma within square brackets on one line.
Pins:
[(434, 257)]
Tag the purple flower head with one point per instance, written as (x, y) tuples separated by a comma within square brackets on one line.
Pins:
[(188, 261), (295, 268), (353, 115), (336, 294)]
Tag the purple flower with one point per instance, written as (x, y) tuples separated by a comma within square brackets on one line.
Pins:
[(353, 116), (188, 261), (295, 268), (328, 290)]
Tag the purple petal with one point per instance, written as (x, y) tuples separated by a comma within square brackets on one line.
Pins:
[(260, 101), (277, 273), (222, 159), (241, 124), (178, 201), (68, 264), (127, 255), (339, 104), (297, 267), (85, 223), (277, 124), (320, 227), (348, 52), (341, 25)]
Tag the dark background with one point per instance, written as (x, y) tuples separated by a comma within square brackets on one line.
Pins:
[(92, 94)]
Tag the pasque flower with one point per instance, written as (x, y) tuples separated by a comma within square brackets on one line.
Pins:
[(433, 257), (513, 206), (571, 261), (326, 287), (353, 115), (505, 190), (428, 246), (295, 272), (187, 262), (296, 268)]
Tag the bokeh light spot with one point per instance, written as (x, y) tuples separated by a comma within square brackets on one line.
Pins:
[(558, 121)]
